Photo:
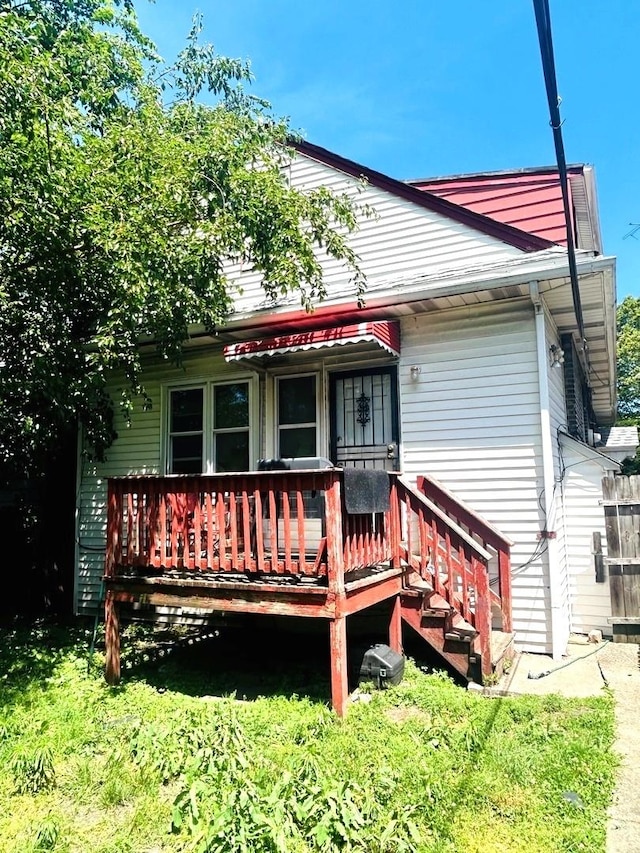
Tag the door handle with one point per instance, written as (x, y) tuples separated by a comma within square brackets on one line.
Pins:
[(392, 450)]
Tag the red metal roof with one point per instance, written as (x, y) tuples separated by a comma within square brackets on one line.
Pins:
[(529, 200), (384, 333)]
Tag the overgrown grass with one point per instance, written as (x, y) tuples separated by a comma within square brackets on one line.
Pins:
[(424, 766)]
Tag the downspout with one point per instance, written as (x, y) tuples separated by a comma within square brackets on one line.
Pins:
[(558, 634)]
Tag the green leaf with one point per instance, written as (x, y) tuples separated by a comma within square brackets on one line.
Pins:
[(120, 213)]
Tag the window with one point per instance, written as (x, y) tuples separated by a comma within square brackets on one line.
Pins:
[(297, 431), (209, 428), (186, 431), (231, 427), (578, 409)]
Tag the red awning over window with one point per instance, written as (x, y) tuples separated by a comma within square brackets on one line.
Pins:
[(384, 333)]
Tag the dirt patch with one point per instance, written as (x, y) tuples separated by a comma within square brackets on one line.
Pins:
[(402, 715)]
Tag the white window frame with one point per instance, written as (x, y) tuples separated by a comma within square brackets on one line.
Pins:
[(208, 431), (276, 420), (192, 387)]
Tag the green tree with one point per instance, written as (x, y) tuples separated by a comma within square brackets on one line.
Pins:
[(122, 197), (628, 367), (628, 318)]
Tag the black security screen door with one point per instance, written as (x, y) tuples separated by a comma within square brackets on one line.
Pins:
[(364, 419)]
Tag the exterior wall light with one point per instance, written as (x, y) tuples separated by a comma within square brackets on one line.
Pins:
[(557, 356), (416, 370)]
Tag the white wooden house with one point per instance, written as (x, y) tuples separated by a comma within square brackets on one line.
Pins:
[(464, 365)]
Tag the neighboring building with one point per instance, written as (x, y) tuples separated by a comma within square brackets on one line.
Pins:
[(466, 361), (619, 443)]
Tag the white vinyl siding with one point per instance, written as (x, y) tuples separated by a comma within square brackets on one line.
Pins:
[(472, 420), (401, 239), (584, 515)]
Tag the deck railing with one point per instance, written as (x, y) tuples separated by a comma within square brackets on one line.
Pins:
[(289, 523), (485, 534)]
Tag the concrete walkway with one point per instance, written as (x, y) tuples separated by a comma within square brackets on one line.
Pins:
[(590, 669)]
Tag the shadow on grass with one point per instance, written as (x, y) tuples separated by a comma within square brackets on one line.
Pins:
[(245, 663), (252, 661)]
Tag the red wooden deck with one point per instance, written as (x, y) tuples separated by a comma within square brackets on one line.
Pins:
[(281, 542)]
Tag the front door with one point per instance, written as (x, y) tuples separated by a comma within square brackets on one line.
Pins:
[(364, 419)]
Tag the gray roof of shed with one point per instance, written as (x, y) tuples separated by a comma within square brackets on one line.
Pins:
[(619, 437)]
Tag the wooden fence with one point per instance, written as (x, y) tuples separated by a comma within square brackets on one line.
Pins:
[(621, 499)]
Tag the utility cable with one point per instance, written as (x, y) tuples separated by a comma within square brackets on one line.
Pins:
[(543, 22), (535, 676)]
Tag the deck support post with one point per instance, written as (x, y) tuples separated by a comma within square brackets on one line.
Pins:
[(112, 639), (395, 625), (504, 568), (483, 615), (339, 671)]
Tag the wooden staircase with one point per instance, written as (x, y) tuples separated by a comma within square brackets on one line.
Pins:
[(457, 584)]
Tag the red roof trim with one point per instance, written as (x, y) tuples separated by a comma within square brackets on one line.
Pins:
[(505, 233), (385, 333)]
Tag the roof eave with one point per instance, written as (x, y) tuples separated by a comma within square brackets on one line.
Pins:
[(394, 292)]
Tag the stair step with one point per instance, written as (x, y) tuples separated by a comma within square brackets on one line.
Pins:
[(436, 611), (418, 584), (459, 653), (455, 637), (435, 601), (461, 630), (502, 649)]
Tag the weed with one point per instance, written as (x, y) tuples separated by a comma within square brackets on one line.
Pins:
[(33, 770), (48, 835)]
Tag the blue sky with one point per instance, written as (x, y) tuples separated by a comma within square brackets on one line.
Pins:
[(422, 88)]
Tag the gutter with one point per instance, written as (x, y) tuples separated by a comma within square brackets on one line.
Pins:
[(389, 294)]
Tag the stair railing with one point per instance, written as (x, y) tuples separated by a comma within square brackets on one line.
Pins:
[(483, 532), (448, 560)]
